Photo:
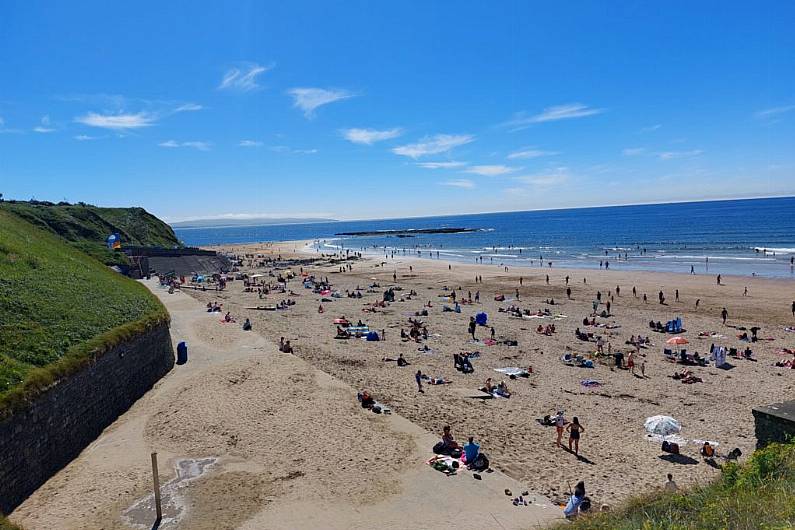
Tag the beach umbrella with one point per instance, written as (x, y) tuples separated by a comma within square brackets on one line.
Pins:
[(662, 425), (676, 341)]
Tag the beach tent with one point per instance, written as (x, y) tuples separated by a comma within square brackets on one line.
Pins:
[(481, 319), (662, 425)]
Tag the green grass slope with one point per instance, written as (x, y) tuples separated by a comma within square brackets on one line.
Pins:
[(757, 494), (87, 227), (58, 306)]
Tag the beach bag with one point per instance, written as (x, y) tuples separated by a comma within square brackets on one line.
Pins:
[(669, 447), (481, 463)]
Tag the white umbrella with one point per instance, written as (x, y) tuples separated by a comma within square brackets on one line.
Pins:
[(662, 425)]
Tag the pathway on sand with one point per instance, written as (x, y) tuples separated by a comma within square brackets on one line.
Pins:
[(292, 449)]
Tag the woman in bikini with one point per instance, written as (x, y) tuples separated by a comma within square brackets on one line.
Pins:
[(575, 429)]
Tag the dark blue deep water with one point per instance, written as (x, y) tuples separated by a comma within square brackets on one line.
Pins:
[(728, 237)]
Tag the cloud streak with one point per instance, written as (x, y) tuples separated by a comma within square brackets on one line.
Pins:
[(774, 112), (558, 112), (433, 145), (458, 183), (243, 78), (310, 99), (530, 152), (442, 165), (370, 136), (250, 143), (200, 146), (491, 170), (671, 155), (118, 122)]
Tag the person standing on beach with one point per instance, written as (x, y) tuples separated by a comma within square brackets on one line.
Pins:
[(698, 300), (724, 314), (718, 279), (692, 269), (575, 429), (418, 378), (677, 295), (567, 281), (521, 280), (793, 308), (745, 291), (547, 279), (560, 421), (618, 290), (634, 292), (472, 327)]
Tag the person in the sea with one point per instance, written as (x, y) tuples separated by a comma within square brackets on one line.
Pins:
[(575, 429)]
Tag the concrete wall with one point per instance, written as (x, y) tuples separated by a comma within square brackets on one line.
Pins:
[(774, 423), (37, 442)]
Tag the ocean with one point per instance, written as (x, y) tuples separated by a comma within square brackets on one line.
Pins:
[(743, 237)]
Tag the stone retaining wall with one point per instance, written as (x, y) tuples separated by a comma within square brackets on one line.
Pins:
[(37, 442)]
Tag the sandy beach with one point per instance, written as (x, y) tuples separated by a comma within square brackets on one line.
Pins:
[(249, 437), (616, 458)]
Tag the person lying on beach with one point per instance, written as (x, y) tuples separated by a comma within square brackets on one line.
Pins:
[(228, 317)]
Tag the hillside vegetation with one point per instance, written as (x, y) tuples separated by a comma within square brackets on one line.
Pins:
[(757, 494), (86, 227), (57, 307)]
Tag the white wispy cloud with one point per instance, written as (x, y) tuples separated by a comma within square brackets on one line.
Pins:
[(651, 128), (491, 170), (290, 150), (189, 107), (194, 144), (773, 112), (530, 152), (555, 113), (370, 136), (243, 78), (458, 183), (85, 138), (442, 165), (552, 177), (633, 151), (433, 145), (119, 121), (250, 143), (45, 126), (309, 99), (670, 155)]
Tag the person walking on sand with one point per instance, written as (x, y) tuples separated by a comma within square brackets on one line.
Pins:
[(472, 327), (724, 314), (560, 421), (575, 429), (568, 295), (692, 270), (793, 308), (677, 295), (418, 378), (745, 291), (718, 279), (698, 301)]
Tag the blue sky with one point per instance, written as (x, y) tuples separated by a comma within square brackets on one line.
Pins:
[(375, 109)]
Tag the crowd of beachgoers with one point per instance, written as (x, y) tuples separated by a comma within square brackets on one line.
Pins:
[(548, 375)]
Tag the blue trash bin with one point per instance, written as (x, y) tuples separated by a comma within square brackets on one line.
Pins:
[(182, 353)]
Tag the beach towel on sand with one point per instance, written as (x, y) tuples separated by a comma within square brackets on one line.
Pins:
[(512, 370)]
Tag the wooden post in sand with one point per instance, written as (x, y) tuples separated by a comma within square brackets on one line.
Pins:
[(156, 480)]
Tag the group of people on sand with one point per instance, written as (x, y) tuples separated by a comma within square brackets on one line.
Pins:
[(417, 332), (500, 389), (548, 330)]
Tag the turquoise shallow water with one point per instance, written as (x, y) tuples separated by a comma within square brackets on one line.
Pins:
[(753, 236)]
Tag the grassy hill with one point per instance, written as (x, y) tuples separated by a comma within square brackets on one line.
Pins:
[(757, 494), (86, 227), (57, 306)]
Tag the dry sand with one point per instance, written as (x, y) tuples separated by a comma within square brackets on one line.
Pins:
[(274, 442), (617, 460)]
